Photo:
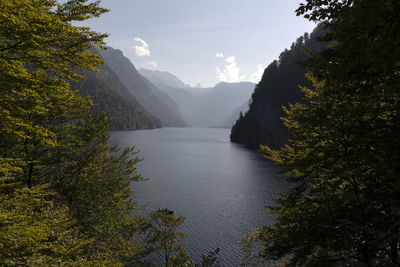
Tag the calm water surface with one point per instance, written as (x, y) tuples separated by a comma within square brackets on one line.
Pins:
[(221, 188)]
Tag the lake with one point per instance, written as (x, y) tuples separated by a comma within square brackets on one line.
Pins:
[(220, 187)]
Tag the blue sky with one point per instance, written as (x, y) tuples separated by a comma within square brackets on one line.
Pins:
[(202, 41)]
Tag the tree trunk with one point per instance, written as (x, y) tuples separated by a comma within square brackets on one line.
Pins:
[(394, 252), (30, 172)]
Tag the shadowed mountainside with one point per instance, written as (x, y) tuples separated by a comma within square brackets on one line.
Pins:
[(149, 97), (278, 87), (112, 97)]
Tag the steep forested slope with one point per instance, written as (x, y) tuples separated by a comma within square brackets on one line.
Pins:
[(139, 88), (278, 87), (112, 97)]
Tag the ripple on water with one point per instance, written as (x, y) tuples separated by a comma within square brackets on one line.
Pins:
[(221, 188)]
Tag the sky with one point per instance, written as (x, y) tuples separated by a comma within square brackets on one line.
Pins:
[(202, 41)]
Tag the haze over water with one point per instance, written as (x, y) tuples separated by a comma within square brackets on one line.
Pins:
[(221, 188)]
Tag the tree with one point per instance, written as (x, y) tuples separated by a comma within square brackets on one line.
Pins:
[(39, 51), (278, 87), (210, 260), (344, 154), (36, 231), (52, 136), (164, 238)]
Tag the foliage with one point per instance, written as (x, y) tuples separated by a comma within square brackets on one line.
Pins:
[(164, 238), (344, 209), (66, 194), (210, 260), (35, 231), (39, 49)]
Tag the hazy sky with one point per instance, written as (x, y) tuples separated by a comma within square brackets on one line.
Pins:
[(202, 41)]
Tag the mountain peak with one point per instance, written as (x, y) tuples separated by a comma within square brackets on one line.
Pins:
[(114, 51), (164, 78), (224, 84)]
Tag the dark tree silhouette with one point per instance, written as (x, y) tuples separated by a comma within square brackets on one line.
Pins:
[(278, 87)]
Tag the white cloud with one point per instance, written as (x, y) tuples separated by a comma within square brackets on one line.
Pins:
[(219, 55), (230, 60), (230, 73), (256, 76), (152, 64), (142, 49)]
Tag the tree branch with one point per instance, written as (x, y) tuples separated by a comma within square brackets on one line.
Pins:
[(12, 46)]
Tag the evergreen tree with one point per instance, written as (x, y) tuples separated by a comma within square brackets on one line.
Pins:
[(344, 209), (278, 87)]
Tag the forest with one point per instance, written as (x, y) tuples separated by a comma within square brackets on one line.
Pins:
[(327, 112), (278, 87), (66, 196), (343, 150)]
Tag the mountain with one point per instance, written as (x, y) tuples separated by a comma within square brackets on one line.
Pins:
[(163, 78), (164, 97), (165, 81), (230, 121), (112, 97), (202, 107), (212, 107), (150, 97), (278, 87)]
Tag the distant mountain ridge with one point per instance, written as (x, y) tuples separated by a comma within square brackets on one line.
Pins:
[(149, 96), (164, 98), (202, 107), (163, 78), (219, 102)]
